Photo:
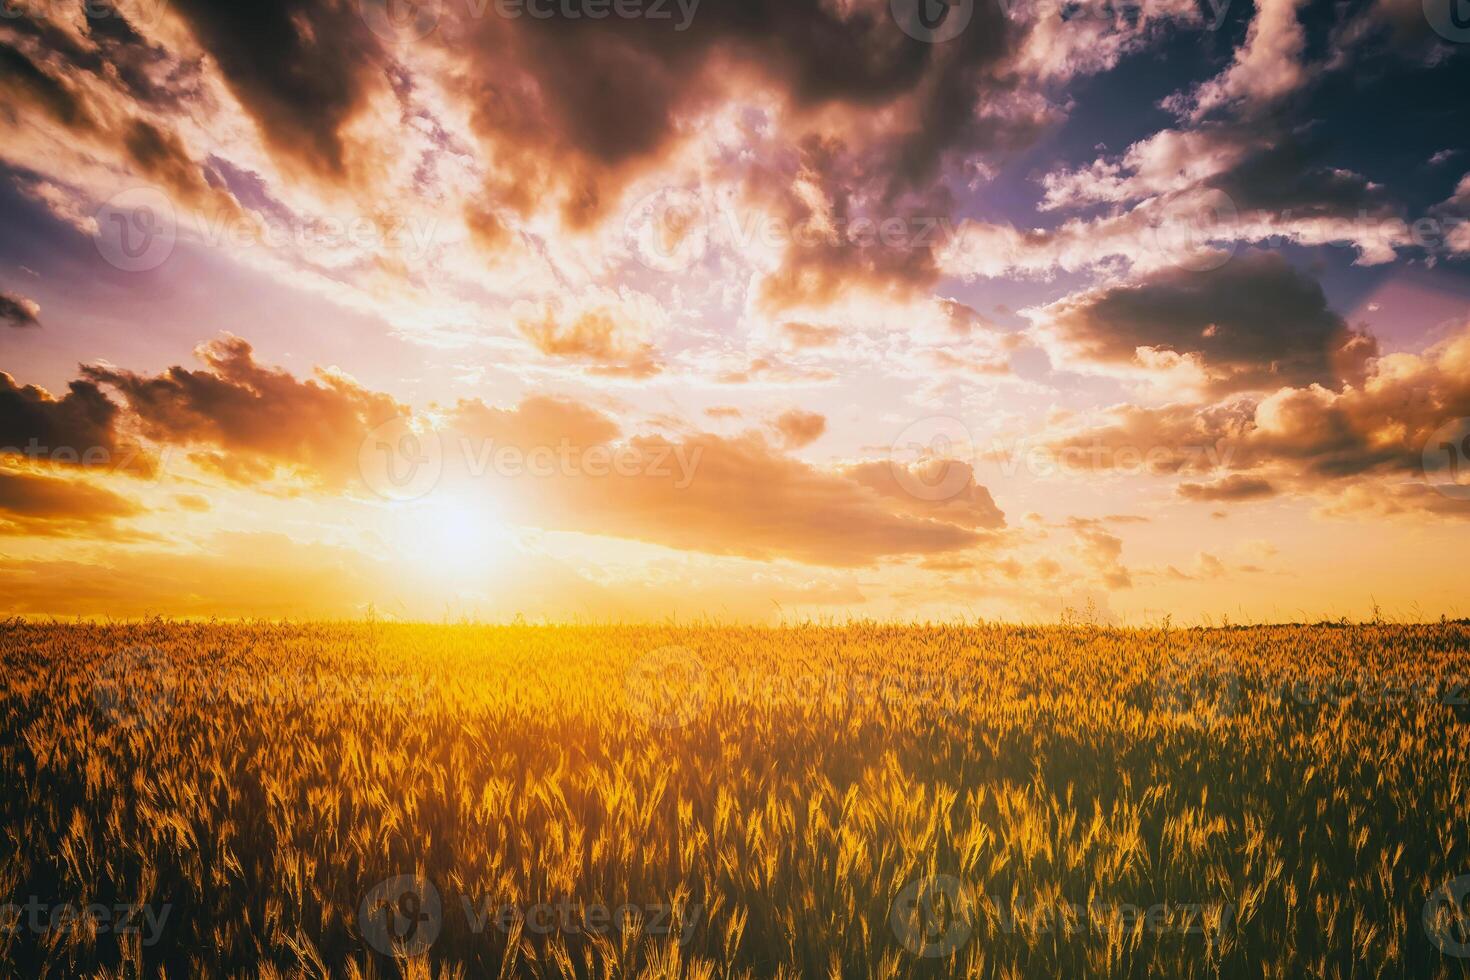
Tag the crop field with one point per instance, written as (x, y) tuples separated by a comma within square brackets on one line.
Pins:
[(383, 800)]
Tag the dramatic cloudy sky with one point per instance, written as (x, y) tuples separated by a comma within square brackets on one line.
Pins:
[(746, 308)]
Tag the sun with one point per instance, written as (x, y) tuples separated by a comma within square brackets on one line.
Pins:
[(451, 537)]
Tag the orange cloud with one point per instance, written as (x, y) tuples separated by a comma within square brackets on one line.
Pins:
[(1308, 439), (799, 429), (598, 336), (707, 493), (32, 504), (258, 417)]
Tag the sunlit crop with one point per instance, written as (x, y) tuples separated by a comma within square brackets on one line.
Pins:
[(374, 800)]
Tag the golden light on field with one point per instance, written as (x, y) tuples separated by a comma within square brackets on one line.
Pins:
[(872, 800)]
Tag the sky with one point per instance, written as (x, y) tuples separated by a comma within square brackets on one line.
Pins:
[(755, 310)]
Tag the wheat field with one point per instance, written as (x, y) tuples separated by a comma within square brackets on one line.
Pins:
[(384, 800)]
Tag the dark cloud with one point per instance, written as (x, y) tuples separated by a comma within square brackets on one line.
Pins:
[(1234, 487), (161, 155), (1287, 176), (17, 311), (302, 69), (110, 49), (24, 83), (35, 504), (154, 151), (1256, 323), (1306, 440), (608, 98), (835, 240), (80, 428)]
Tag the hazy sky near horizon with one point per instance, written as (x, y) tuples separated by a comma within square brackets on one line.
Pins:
[(636, 308)]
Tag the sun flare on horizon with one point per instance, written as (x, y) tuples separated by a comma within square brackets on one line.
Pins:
[(451, 537)]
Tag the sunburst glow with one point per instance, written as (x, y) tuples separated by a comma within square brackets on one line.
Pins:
[(455, 537)]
